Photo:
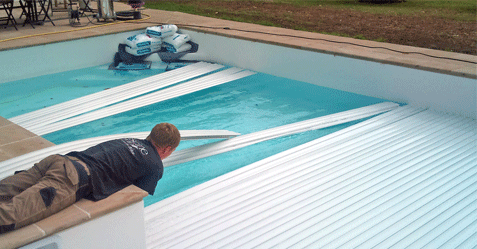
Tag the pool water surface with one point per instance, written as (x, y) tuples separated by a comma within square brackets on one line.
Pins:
[(247, 105)]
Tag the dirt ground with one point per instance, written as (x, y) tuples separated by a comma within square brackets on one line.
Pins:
[(426, 32)]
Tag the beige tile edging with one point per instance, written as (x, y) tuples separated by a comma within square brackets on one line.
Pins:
[(343, 46), (401, 55), (82, 211), (16, 140)]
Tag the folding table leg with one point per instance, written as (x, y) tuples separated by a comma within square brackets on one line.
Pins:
[(27, 10), (8, 7), (44, 10)]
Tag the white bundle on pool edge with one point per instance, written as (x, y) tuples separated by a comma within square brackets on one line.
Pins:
[(161, 31), (142, 44), (177, 43), (156, 38)]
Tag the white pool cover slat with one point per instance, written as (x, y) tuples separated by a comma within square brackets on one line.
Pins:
[(8, 167), (403, 179), (285, 130), (148, 99), (94, 101), (26, 161)]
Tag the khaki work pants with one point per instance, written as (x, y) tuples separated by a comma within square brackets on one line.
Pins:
[(31, 195)]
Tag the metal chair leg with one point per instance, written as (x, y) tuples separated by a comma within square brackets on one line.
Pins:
[(8, 7), (44, 10)]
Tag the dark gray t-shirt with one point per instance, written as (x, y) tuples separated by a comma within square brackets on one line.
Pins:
[(119, 163)]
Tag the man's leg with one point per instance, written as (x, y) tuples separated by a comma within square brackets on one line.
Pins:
[(19, 182), (55, 191)]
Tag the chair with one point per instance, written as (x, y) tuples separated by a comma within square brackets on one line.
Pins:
[(30, 12), (7, 5), (45, 7), (85, 6)]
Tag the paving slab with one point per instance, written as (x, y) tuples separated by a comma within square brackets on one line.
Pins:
[(16, 140)]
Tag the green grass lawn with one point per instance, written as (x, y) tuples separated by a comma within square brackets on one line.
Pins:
[(449, 23), (461, 10)]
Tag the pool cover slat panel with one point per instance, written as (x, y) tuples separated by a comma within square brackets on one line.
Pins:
[(260, 136), (201, 83), (403, 179), (26, 161), (101, 99), (97, 100)]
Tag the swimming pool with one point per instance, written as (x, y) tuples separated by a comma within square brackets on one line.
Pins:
[(376, 78), (247, 105), (256, 103)]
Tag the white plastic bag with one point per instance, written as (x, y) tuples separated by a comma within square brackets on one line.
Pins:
[(142, 51), (143, 41), (161, 31), (183, 48), (173, 43)]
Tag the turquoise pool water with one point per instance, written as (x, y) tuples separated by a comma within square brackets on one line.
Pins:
[(247, 105)]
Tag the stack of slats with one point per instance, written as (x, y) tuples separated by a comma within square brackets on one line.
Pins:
[(403, 179)]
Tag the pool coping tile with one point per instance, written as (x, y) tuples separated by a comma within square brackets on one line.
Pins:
[(16, 140), (80, 212), (27, 235), (343, 46)]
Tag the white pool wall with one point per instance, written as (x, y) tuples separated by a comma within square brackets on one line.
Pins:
[(440, 92), (420, 88), (28, 62)]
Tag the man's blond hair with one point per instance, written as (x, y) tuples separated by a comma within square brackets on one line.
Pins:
[(165, 134)]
